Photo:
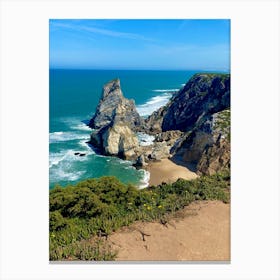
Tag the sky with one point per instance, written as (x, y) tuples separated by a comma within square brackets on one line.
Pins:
[(140, 44)]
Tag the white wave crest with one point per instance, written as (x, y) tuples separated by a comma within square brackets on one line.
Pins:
[(145, 139), (166, 90), (61, 136), (64, 157), (153, 104), (82, 127), (144, 183), (61, 174)]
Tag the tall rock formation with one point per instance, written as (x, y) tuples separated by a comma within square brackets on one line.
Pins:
[(112, 97), (115, 121)]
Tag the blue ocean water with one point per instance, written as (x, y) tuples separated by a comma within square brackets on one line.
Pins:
[(74, 95)]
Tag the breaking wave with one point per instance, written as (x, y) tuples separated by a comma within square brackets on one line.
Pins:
[(145, 139), (153, 104), (62, 136)]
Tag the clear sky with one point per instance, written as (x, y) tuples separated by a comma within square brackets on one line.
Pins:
[(140, 44)]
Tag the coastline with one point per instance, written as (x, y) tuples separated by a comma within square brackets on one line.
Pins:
[(199, 232), (166, 170)]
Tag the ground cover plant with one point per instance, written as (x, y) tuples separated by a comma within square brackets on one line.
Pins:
[(83, 215)]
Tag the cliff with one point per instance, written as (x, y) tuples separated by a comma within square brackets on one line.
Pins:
[(202, 96), (208, 145), (198, 110), (193, 126)]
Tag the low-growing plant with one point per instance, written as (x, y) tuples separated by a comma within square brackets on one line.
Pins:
[(97, 207)]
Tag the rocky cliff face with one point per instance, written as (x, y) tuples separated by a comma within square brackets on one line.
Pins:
[(202, 96), (115, 120), (194, 126), (208, 145), (112, 99), (117, 140)]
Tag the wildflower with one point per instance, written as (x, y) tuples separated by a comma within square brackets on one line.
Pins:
[(145, 204), (149, 208), (160, 206)]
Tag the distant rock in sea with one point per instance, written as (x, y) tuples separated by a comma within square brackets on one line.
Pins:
[(115, 119)]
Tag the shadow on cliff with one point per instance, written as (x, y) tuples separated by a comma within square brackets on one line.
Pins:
[(179, 161)]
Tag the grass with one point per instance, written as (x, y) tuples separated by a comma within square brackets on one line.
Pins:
[(82, 215)]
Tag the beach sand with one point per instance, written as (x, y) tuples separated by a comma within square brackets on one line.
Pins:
[(167, 171), (201, 232)]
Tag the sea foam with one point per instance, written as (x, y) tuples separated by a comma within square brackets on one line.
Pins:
[(145, 139), (153, 104), (166, 90), (61, 136), (144, 183)]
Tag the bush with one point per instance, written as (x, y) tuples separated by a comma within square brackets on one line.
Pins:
[(97, 207)]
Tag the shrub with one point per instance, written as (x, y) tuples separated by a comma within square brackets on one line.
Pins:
[(97, 207)]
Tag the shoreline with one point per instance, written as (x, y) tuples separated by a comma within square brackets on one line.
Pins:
[(167, 171)]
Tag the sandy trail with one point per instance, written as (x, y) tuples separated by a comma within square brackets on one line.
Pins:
[(200, 232)]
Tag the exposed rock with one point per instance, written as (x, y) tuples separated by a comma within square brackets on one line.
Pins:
[(117, 140), (169, 136), (202, 96), (115, 119), (153, 123), (208, 145), (160, 150), (140, 162), (113, 105), (194, 126), (215, 158)]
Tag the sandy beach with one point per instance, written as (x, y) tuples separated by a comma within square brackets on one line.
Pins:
[(201, 232), (167, 171)]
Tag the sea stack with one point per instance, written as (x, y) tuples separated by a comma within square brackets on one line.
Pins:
[(111, 99), (115, 121)]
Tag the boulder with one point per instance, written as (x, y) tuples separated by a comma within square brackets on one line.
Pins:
[(140, 162)]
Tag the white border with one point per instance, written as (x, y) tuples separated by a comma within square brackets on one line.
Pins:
[(24, 137)]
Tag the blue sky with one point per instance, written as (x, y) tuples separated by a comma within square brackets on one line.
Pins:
[(140, 44)]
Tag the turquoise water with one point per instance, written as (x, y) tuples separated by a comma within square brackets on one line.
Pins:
[(74, 95)]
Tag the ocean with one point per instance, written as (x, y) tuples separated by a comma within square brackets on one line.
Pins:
[(74, 95)]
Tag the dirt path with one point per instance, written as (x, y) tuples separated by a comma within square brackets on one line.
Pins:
[(200, 232)]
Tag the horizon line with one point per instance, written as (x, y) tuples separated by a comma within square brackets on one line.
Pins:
[(135, 69)]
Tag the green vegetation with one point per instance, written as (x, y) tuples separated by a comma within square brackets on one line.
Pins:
[(223, 122), (82, 215)]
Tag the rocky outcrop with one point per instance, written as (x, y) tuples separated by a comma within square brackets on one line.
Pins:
[(112, 106), (117, 140), (153, 124), (115, 120), (202, 96), (208, 145), (194, 126)]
